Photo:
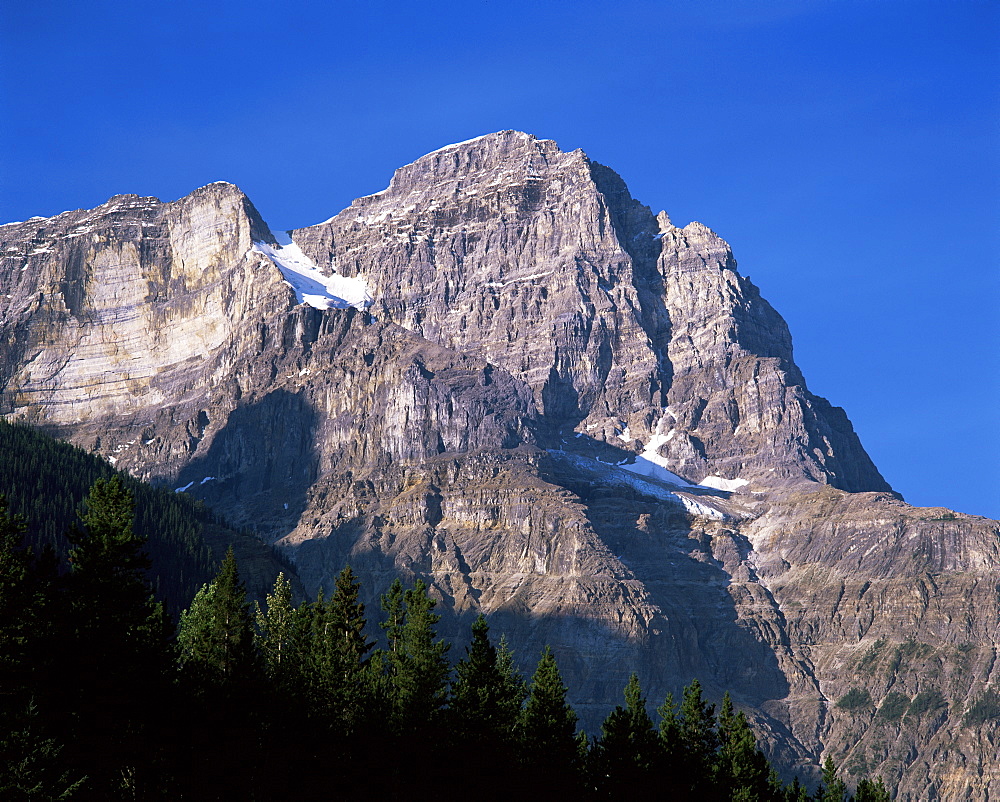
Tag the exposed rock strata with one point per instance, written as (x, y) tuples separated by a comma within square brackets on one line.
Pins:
[(534, 326)]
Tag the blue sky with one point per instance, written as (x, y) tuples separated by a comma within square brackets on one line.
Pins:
[(847, 150)]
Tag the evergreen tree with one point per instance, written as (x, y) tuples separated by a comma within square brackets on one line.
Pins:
[(16, 619), (670, 728), (698, 737), (216, 632), (118, 654), (832, 788), (392, 606), (347, 618), (229, 711), (742, 771), (423, 670), (108, 590), (515, 689), (626, 759), (871, 791), (32, 765), (485, 702), (548, 724)]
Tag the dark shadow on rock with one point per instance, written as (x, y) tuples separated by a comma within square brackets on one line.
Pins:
[(260, 464)]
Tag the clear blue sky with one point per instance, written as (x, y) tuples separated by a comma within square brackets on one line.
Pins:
[(847, 149)]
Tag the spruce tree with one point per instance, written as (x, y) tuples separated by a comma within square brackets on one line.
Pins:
[(423, 670), (742, 770), (626, 759), (277, 639), (347, 618), (514, 688), (216, 632), (698, 737), (16, 603), (485, 701), (548, 725), (832, 788), (871, 791), (118, 654)]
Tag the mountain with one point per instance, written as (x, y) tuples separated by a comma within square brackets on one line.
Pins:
[(506, 376)]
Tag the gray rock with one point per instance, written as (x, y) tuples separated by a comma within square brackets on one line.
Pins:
[(541, 350)]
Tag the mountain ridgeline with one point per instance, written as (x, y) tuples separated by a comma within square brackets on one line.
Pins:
[(558, 410)]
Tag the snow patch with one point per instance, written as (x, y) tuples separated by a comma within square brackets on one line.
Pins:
[(719, 483), (206, 479), (650, 463), (310, 285), (185, 488), (614, 475), (456, 145)]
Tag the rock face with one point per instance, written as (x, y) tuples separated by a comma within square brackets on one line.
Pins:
[(636, 326), (562, 411)]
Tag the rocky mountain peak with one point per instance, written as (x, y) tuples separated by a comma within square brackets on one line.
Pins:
[(552, 405), (479, 242)]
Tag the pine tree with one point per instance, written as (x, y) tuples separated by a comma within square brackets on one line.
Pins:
[(742, 770), (628, 756), (871, 791), (216, 632), (484, 704), (832, 788), (548, 725), (698, 737)]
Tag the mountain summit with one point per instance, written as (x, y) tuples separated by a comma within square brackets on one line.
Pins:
[(505, 376)]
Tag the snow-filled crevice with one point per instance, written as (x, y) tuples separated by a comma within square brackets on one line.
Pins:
[(310, 285)]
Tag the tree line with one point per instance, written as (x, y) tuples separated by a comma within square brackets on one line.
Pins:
[(102, 697)]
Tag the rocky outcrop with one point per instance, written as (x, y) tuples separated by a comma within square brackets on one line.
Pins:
[(545, 372), (641, 333)]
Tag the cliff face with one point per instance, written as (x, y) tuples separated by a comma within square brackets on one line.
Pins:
[(546, 372), (641, 333)]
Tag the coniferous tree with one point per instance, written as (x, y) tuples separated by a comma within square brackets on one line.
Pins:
[(488, 692), (670, 744), (336, 663), (832, 788), (216, 632), (422, 666), (548, 725), (392, 606), (514, 688), (698, 738), (119, 655), (108, 591), (281, 638), (485, 702), (347, 618), (628, 756), (228, 715), (871, 791), (15, 605), (742, 771)]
